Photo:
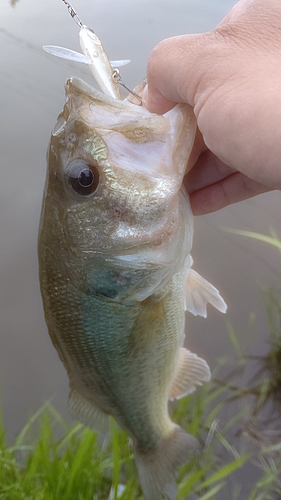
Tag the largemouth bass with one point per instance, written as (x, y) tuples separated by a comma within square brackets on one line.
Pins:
[(115, 272)]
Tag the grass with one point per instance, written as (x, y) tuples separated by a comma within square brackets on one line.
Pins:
[(52, 460), (235, 419)]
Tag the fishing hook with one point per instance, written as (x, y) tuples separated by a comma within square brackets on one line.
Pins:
[(117, 77)]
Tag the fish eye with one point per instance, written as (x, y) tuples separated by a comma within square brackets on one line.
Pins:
[(83, 177)]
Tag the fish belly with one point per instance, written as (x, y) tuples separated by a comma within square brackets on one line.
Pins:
[(120, 358)]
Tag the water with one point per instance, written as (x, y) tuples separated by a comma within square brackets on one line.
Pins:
[(31, 96)]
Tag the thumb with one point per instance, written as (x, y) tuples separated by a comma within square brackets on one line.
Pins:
[(192, 68), (178, 64), (175, 68)]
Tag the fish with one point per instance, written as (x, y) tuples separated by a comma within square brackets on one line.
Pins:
[(116, 274)]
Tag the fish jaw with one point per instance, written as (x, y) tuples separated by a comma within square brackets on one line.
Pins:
[(151, 144), (147, 152), (141, 157)]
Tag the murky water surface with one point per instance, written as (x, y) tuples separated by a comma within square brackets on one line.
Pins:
[(31, 96)]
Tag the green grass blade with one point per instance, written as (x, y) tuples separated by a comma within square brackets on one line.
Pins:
[(271, 240), (226, 470), (210, 494), (115, 456)]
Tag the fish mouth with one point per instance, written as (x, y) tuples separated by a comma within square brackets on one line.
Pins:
[(100, 110), (140, 144), (75, 86), (137, 140)]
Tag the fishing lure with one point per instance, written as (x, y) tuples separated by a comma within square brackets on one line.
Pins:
[(104, 71)]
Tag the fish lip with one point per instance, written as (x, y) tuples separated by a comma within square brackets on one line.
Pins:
[(75, 86)]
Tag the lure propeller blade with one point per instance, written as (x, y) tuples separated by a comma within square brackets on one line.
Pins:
[(118, 64), (69, 54), (72, 55)]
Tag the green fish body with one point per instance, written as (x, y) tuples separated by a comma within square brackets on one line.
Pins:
[(115, 272)]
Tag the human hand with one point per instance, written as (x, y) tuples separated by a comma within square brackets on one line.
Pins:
[(232, 78)]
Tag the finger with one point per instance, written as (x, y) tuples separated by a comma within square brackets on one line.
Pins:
[(198, 148), (235, 12), (155, 102), (231, 190), (171, 65), (207, 170), (177, 65)]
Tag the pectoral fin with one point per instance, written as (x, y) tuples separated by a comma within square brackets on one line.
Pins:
[(191, 371), (199, 292), (86, 412)]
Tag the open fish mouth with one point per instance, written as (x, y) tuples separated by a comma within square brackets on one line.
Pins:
[(141, 141), (75, 86), (141, 158)]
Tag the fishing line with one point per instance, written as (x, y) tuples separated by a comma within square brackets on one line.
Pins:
[(73, 14)]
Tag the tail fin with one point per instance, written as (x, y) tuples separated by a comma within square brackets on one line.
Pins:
[(157, 469)]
